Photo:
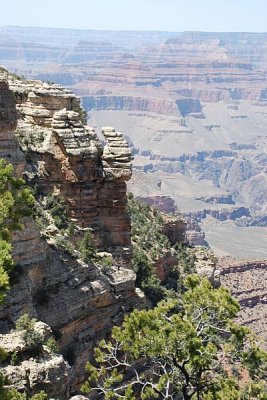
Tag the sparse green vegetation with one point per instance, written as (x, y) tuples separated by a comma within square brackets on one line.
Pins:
[(64, 244), (58, 210), (182, 349), (40, 396), (7, 393), (14, 360), (149, 245), (52, 345), (148, 242), (52, 210), (106, 261), (16, 202), (146, 228), (82, 113), (87, 247), (32, 339), (3, 355)]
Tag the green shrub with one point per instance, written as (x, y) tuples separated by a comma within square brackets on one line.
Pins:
[(106, 261), (3, 354), (82, 113), (71, 228), (40, 396), (87, 247), (25, 323), (14, 358), (142, 266), (149, 245), (63, 244), (31, 338), (16, 202), (154, 290), (7, 393), (52, 345), (58, 210)]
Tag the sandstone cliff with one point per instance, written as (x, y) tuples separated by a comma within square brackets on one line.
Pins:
[(67, 158), (247, 282), (78, 301)]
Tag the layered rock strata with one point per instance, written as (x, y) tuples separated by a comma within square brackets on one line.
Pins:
[(67, 158), (247, 282), (74, 298)]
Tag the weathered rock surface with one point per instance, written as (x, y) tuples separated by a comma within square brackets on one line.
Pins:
[(247, 282), (50, 373), (221, 214), (74, 298), (194, 235), (162, 203), (116, 156), (68, 159)]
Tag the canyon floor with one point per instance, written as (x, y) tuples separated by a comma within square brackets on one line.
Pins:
[(193, 106)]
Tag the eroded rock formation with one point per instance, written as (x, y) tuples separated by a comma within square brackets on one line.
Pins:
[(67, 158), (77, 300)]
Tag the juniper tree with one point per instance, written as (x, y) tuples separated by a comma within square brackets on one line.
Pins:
[(182, 349)]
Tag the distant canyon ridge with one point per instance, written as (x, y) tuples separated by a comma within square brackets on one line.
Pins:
[(193, 106)]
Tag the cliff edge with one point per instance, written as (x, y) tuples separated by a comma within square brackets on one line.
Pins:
[(79, 301)]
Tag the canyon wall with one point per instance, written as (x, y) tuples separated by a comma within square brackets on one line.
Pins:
[(193, 105), (247, 282), (66, 158), (78, 300)]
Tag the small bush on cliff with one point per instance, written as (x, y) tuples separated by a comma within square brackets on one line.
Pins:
[(3, 355), (58, 209), (40, 396), (63, 244), (32, 339), (87, 247), (105, 263), (52, 345), (15, 358), (16, 202), (12, 394), (82, 113), (182, 349)]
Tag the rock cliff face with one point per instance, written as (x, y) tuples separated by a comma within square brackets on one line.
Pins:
[(130, 103), (74, 298), (247, 282), (67, 159)]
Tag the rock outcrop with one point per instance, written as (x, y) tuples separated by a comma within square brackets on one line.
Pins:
[(163, 203), (67, 158), (76, 299)]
